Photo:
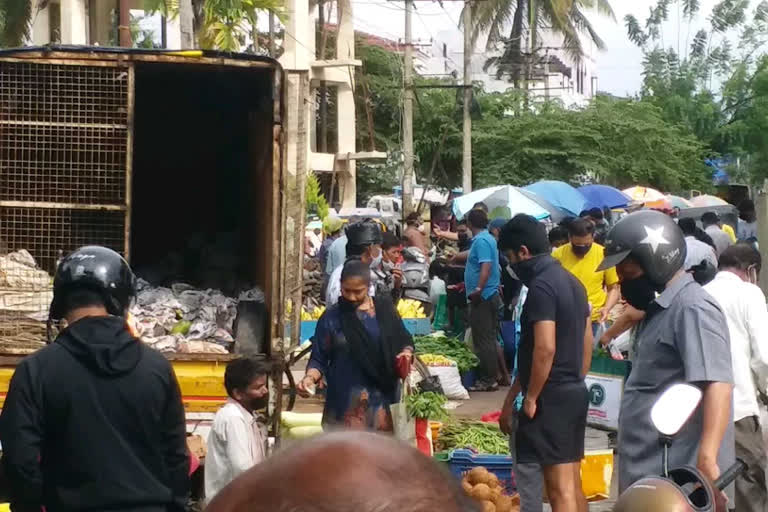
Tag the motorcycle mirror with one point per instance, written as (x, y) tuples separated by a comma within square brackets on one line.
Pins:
[(674, 407)]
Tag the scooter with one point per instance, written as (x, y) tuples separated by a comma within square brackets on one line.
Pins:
[(681, 489)]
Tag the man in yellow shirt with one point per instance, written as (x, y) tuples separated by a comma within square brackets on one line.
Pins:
[(581, 257)]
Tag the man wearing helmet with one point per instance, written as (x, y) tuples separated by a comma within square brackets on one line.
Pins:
[(683, 338), (94, 421), (363, 242)]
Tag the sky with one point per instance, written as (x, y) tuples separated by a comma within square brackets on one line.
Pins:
[(619, 66)]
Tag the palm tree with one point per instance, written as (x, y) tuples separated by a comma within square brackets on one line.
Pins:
[(16, 20), (565, 17)]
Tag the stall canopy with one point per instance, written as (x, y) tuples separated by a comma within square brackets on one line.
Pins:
[(707, 200), (503, 197), (604, 196), (560, 194), (679, 202), (650, 197), (555, 213)]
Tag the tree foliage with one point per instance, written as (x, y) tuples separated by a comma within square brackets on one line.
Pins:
[(620, 142)]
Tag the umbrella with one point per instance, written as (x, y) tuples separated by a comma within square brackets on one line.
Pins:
[(504, 197), (603, 196), (679, 202), (555, 213), (560, 194), (707, 200), (651, 197)]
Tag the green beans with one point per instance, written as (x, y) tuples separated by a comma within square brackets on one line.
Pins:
[(452, 348), (481, 437), (427, 405)]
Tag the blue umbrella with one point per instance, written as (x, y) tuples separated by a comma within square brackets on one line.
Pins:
[(555, 213), (506, 197), (603, 196), (560, 194)]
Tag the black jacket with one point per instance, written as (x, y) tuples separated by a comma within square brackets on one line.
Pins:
[(95, 421)]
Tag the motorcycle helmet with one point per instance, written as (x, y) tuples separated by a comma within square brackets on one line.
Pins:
[(363, 233), (99, 269), (651, 238), (686, 490)]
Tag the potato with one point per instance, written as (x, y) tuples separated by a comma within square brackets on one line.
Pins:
[(467, 487), (481, 492), (493, 481), (488, 506), (478, 475), (495, 493), (504, 504)]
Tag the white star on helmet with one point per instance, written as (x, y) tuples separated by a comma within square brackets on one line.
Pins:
[(654, 238)]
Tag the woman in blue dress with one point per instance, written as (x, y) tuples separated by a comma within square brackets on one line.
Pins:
[(360, 351)]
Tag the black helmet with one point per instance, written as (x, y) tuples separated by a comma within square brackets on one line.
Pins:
[(366, 232), (99, 269), (653, 239)]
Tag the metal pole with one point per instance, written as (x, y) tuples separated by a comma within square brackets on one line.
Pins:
[(408, 114), (164, 32), (272, 52), (466, 176)]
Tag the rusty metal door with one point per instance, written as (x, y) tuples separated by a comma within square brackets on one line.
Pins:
[(65, 161)]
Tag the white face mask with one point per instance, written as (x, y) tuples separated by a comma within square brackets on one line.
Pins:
[(376, 262), (752, 274)]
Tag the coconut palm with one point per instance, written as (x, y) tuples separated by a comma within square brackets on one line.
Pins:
[(565, 17), (16, 20)]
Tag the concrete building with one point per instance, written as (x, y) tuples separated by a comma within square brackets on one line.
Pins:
[(86, 22), (559, 75)]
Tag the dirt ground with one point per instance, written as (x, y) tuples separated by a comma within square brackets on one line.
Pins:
[(483, 403)]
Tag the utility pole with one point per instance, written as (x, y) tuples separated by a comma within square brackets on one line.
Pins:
[(272, 52), (466, 175), (408, 114), (322, 91)]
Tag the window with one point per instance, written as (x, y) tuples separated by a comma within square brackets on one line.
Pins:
[(395, 206)]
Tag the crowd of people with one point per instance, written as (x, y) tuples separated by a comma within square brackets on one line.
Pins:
[(95, 420)]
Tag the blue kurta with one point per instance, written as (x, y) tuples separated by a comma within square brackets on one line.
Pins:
[(353, 400)]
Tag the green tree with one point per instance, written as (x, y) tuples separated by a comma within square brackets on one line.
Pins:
[(620, 142), (523, 18)]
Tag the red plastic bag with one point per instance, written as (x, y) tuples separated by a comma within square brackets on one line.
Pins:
[(424, 437), (491, 417)]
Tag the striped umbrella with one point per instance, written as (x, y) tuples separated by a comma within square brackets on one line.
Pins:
[(650, 197), (679, 202)]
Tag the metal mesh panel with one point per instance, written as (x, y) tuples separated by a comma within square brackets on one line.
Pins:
[(63, 147), (63, 133)]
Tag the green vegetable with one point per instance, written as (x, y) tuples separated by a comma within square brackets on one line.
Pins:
[(427, 405), (181, 327), (452, 348), (479, 436)]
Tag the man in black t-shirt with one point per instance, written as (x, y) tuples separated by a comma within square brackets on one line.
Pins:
[(553, 358)]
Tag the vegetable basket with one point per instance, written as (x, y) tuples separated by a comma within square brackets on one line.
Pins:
[(463, 461)]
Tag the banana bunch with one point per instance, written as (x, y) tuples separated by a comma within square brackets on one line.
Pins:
[(409, 308), (315, 314), (436, 360)]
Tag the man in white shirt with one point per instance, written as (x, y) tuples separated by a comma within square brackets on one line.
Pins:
[(237, 442), (745, 310)]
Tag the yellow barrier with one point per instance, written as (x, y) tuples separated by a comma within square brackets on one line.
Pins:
[(201, 383)]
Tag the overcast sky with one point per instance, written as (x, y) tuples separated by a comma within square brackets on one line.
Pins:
[(619, 67)]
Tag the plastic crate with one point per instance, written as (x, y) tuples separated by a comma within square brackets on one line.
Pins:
[(418, 326), (463, 461), (602, 365)]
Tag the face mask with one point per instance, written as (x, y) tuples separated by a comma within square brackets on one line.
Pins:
[(639, 292), (525, 270), (752, 274), (376, 262), (581, 250), (260, 403)]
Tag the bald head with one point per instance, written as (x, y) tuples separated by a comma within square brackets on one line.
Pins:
[(345, 472)]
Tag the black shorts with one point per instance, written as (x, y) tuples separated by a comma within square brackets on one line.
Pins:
[(555, 435)]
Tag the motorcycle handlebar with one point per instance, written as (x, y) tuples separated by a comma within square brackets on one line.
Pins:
[(730, 475)]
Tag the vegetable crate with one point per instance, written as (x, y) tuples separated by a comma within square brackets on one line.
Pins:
[(418, 326), (463, 461)]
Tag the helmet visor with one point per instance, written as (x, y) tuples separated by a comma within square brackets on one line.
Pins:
[(611, 260)]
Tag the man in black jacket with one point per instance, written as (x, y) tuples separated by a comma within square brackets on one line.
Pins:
[(95, 421)]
